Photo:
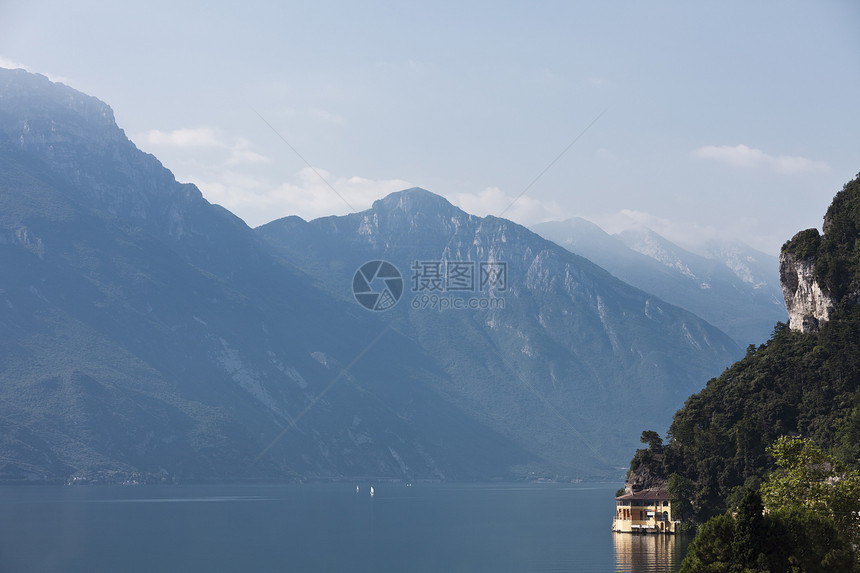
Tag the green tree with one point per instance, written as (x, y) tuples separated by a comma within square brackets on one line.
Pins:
[(797, 540), (810, 543), (749, 534), (711, 550), (653, 439), (809, 478)]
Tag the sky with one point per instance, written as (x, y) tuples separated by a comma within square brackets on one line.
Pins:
[(706, 120)]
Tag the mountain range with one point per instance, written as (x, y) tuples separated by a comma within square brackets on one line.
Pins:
[(148, 335), (572, 347)]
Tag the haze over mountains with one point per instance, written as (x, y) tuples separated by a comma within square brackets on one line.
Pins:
[(147, 334), (735, 287), (573, 347)]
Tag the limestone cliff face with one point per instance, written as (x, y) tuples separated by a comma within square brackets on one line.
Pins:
[(808, 304), (820, 274)]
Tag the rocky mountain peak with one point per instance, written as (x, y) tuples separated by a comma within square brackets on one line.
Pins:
[(821, 273), (36, 97), (414, 212), (74, 138), (413, 201)]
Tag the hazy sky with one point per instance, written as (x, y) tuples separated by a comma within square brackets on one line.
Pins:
[(730, 119)]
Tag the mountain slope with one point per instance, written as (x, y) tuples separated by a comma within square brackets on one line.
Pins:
[(560, 367), (147, 334), (735, 289)]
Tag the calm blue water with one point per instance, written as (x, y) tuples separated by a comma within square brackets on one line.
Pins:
[(322, 528)]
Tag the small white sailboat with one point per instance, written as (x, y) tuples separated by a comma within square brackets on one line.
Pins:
[(371, 491), (356, 489)]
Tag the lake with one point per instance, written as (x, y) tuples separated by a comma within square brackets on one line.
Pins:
[(439, 528)]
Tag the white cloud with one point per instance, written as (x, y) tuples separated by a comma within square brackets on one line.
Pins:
[(259, 201), (243, 156), (686, 234), (493, 201), (238, 149), (313, 197), (196, 137), (231, 173), (690, 235), (743, 156), (240, 153)]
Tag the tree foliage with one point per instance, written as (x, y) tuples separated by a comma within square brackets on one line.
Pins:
[(681, 490), (837, 262), (811, 479), (653, 439), (796, 540)]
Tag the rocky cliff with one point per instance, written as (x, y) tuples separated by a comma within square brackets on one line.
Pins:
[(819, 273), (807, 303)]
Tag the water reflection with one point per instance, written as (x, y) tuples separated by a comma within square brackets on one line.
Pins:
[(649, 553)]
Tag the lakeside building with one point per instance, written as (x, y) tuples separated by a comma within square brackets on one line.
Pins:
[(646, 511)]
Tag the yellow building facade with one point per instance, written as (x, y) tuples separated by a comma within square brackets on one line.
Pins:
[(647, 511)]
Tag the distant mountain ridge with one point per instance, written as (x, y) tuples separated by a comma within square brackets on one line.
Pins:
[(736, 289), (570, 335)]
